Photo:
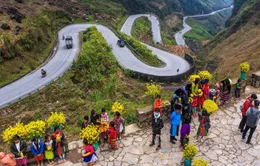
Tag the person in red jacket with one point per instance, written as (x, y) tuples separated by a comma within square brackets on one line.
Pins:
[(248, 103), (158, 104), (112, 136)]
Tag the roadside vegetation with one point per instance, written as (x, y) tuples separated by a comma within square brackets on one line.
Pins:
[(142, 30), (143, 53), (93, 82)]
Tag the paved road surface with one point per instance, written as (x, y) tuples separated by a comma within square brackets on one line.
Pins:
[(63, 59), (179, 36)]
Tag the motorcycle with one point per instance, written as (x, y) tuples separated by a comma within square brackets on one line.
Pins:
[(43, 72)]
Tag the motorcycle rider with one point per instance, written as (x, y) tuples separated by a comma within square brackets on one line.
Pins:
[(43, 72)]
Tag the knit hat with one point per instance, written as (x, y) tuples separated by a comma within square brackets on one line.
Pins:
[(254, 96)]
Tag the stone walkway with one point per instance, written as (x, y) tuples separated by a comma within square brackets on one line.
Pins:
[(222, 146)]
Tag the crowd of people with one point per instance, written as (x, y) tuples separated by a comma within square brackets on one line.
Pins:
[(186, 104)]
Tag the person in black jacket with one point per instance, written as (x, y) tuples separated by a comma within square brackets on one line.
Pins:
[(85, 123), (157, 125), (19, 149), (94, 117)]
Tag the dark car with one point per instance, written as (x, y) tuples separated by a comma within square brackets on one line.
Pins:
[(69, 42), (121, 43)]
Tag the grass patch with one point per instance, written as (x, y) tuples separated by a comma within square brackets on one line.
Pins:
[(142, 29), (144, 54)]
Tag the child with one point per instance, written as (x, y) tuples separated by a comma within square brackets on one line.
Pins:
[(104, 115), (94, 118), (119, 121), (104, 126), (112, 136), (175, 120), (89, 156), (185, 132), (58, 138), (238, 89), (37, 149), (85, 123), (7, 159), (49, 155), (158, 103), (157, 125), (204, 124)]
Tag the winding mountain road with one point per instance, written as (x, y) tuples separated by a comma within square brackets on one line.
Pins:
[(63, 59), (179, 36)]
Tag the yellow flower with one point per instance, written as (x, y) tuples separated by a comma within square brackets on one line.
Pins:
[(56, 119), (210, 106), (193, 77), (200, 93), (205, 75), (244, 67), (153, 90), (190, 151), (199, 162), (90, 133), (118, 107), (35, 129), (11, 131)]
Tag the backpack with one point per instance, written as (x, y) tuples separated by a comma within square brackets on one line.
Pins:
[(252, 118)]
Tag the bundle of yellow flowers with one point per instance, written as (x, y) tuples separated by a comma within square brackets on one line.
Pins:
[(103, 127), (199, 162), (190, 151), (200, 93), (205, 75), (166, 103), (153, 90), (193, 77), (56, 119), (244, 67), (90, 133), (11, 131), (35, 129), (118, 107), (210, 106)]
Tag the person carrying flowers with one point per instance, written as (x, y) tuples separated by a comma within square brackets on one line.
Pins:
[(37, 149), (85, 123), (103, 129), (94, 118), (7, 159), (112, 136), (89, 156), (58, 141), (119, 124), (225, 91), (48, 146), (238, 89), (19, 149)]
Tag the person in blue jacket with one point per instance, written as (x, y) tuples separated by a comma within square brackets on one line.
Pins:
[(175, 121), (37, 149)]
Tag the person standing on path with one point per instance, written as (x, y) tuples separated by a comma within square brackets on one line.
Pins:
[(253, 115), (204, 124), (175, 121), (37, 149), (248, 103), (19, 149), (225, 91), (157, 125), (158, 103)]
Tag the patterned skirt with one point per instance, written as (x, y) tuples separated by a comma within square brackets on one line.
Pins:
[(91, 158), (202, 131), (224, 96), (113, 143), (21, 161)]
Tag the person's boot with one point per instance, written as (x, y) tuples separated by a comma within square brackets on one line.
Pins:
[(158, 147), (174, 139), (171, 140), (152, 144)]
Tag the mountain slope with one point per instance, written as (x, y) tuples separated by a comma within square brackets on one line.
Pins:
[(239, 42)]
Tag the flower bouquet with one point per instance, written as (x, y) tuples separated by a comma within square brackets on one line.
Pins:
[(193, 77), (11, 131), (199, 162), (189, 153), (35, 129), (118, 107), (205, 75), (244, 68), (210, 106), (90, 133), (153, 90), (56, 119)]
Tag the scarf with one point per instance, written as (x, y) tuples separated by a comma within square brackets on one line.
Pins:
[(156, 117)]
